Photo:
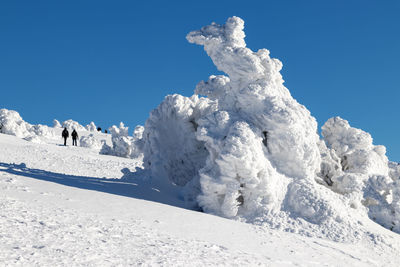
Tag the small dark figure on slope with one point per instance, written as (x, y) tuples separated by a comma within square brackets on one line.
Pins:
[(65, 135), (74, 137)]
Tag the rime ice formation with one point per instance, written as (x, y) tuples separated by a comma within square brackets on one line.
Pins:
[(264, 132), (364, 174), (171, 147), (71, 125), (56, 124), (12, 123), (355, 149), (246, 142), (91, 127), (90, 141), (124, 145), (249, 150)]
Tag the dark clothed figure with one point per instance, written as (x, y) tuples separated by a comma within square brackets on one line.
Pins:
[(265, 140), (74, 137), (99, 129), (65, 135)]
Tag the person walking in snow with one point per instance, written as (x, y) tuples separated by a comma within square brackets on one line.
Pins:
[(65, 135), (74, 137)]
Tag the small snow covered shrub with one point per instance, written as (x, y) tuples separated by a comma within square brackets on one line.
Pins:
[(365, 174), (122, 143), (138, 132), (56, 124), (137, 142), (42, 130), (90, 141), (71, 125), (91, 127), (354, 148), (394, 170), (13, 124)]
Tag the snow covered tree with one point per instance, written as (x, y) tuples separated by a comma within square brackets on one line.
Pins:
[(71, 125), (56, 124), (249, 150), (122, 143), (91, 127), (246, 142), (366, 177), (13, 124), (90, 141)]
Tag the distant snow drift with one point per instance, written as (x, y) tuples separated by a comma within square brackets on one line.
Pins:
[(11, 123), (251, 151)]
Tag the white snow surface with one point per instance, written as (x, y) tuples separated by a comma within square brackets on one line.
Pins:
[(70, 206)]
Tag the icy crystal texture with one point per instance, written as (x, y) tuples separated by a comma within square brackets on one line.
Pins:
[(246, 142), (249, 150)]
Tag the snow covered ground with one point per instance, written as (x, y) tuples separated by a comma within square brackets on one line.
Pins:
[(70, 206)]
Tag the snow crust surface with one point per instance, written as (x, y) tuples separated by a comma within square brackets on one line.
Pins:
[(70, 206)]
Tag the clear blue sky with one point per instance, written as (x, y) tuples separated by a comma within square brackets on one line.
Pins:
[(112, 61)]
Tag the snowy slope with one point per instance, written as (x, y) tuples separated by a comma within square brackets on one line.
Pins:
[(68, 206)]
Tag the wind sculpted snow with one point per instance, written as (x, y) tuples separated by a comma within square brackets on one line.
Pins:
[(248, 150)]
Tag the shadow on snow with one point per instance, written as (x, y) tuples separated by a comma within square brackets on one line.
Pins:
[(131, 184)]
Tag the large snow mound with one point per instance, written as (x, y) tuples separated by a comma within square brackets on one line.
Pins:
[(248, 150), (12, 123)]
